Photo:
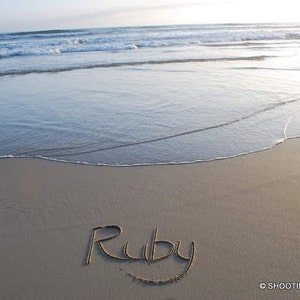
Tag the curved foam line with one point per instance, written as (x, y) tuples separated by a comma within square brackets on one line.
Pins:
[(178, 134), (171, 163), (286, 126)]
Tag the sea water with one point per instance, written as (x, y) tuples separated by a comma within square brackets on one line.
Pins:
[(149, 95)]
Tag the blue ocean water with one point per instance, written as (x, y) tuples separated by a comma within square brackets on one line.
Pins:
[(149, 95)]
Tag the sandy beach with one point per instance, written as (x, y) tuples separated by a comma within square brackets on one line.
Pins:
[(242, 215)]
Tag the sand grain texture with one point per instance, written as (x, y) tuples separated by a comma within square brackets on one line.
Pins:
[(242, 213)]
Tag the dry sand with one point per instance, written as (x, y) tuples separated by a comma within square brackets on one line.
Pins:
[(243, 215)]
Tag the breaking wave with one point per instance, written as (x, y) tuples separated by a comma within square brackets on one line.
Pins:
[(119, 39)]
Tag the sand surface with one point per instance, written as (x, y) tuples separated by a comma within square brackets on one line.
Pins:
[(243, 215)]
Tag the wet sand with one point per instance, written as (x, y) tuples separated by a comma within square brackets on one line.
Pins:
[(242, 215)]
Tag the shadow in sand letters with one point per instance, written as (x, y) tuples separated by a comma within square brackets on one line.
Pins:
[(148, 253)]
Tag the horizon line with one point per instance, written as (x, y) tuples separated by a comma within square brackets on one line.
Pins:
[(143, 26)]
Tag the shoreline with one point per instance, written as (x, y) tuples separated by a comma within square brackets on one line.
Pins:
[(241, 213), (8, 156)]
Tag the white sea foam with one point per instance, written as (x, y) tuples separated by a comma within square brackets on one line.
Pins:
[(55, 42)]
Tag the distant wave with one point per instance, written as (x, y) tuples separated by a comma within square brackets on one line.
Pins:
[(74, 45), (132, 63), (269, 108), (42, 33), (52, 42), (81, 44)]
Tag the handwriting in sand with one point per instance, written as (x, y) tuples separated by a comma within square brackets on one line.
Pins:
[(148, 252)]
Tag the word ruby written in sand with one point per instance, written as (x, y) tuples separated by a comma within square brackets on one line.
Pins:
[(148, 252)]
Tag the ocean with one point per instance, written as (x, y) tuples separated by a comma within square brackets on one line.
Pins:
[(149, 95)]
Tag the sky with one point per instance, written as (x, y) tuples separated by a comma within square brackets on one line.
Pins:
[(24, 15)]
